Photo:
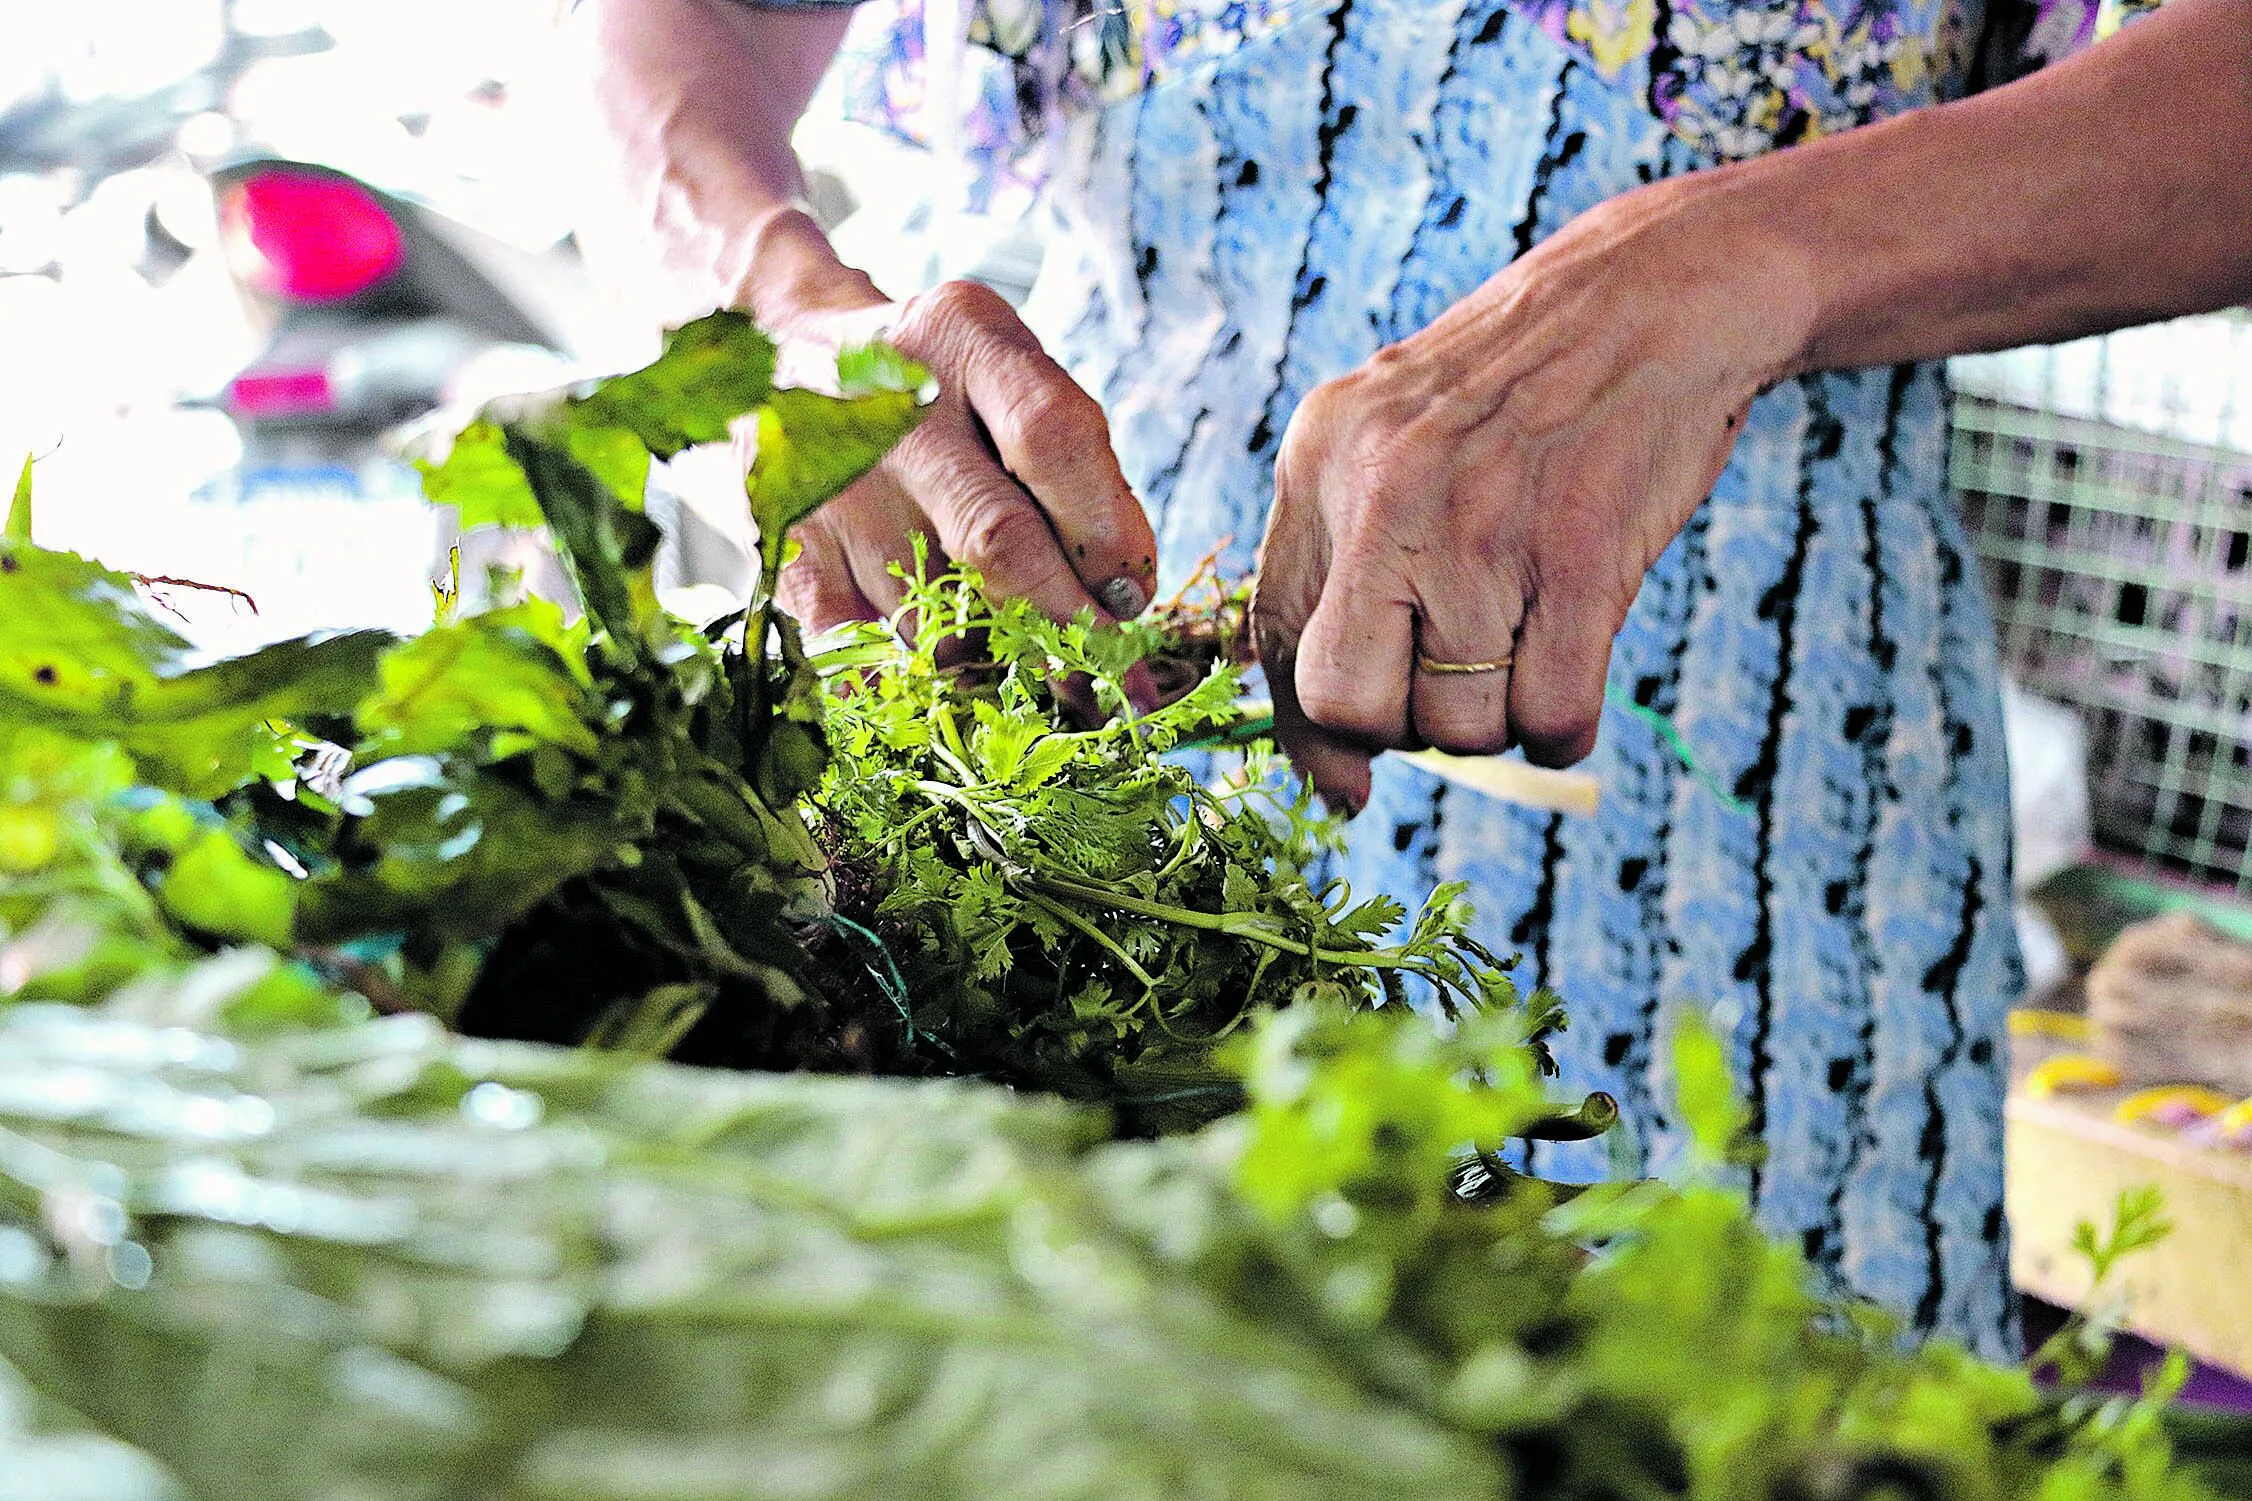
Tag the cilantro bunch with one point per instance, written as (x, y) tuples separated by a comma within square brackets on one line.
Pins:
[(1077, 910)]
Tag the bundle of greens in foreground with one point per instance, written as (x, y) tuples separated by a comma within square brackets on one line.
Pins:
[(1070, 908), (370, 1260), (595, 830)]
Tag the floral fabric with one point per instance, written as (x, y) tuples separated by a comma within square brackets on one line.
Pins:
[(1732, 79), (1252, 197)]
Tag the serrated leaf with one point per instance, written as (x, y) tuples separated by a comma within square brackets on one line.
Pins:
[(470, 678), (80, 649), (810, 446), (614, 456)]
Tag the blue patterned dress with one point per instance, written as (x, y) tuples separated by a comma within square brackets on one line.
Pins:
[(1280, 187)]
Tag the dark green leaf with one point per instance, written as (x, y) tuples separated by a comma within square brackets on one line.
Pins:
[(614, 456), (451, 852), (462, 682), (215, 888), (810, 446)]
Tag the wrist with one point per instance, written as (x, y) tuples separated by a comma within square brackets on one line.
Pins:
[(1752, 220)]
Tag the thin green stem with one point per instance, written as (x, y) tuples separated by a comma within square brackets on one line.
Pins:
[(1228, 923), (1073, 920)]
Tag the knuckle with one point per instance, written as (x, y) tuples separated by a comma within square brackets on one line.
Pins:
[(1053, 419), (963, 304), (1000, 531), (1557, 736), (1458, 739), (1312, 426), (1504, 574), (948, 322), (977, 300), (1336, 702)]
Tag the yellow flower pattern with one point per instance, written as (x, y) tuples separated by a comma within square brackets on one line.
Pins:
[(1614, 32)]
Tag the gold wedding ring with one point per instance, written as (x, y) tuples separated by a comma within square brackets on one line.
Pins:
[(1432, 664)]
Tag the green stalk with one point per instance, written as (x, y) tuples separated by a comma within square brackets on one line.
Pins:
[(1073, 920), (1226, 923)]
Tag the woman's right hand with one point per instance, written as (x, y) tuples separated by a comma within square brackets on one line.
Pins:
[(1010, 471)]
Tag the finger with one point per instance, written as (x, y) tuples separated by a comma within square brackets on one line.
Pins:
[(819, 590), (1353, 662), (985, 519), (1338, 768), (1280, 603), (1556, 683), (1472, 628), (1049, 433), (1053, 439), (885, 554)]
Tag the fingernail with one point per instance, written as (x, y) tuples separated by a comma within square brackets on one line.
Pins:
[(1124, 597)]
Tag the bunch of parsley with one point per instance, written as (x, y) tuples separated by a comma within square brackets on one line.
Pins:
[(1078, 910)]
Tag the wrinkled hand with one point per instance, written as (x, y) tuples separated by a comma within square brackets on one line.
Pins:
[(1495, 486), (1010, 471)]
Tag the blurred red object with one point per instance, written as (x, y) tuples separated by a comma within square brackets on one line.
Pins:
[(308, 236), (280, 393)]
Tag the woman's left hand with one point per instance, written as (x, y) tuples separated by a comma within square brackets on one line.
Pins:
[(1492, 489)]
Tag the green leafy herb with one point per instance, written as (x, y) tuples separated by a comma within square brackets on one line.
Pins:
[(254, 1243), (573, 830), (1075, 910)]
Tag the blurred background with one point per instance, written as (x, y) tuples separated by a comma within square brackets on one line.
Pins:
[(203, 355), (242, 240)]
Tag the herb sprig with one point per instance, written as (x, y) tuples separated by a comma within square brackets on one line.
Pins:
[(1085, 912)]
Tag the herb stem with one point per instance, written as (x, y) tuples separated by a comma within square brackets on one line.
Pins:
[(1253, 931), (1072, 919)]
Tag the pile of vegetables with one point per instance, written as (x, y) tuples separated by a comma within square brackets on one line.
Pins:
[(596, 830), (259, 1239)]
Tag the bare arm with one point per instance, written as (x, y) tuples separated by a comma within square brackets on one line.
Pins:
[(1493, 488), (698, 98), (2113, 188)]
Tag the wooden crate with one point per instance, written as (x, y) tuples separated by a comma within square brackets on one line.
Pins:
[(2068, 1161)]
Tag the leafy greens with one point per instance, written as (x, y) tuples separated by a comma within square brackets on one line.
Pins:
[(258, 1242)]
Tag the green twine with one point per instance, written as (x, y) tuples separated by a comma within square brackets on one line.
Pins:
[(888, 979), (1666, 732)]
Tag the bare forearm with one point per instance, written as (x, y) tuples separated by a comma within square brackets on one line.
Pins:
[(2114, 188), (698, 99)]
